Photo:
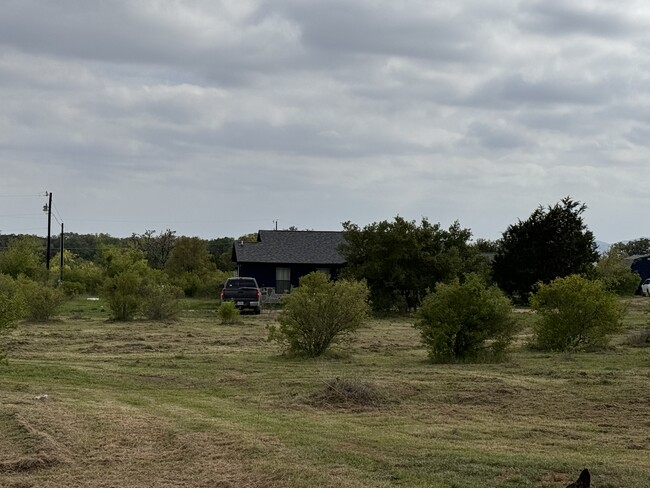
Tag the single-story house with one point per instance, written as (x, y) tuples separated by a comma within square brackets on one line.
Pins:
[(280, 257), (641, 265)]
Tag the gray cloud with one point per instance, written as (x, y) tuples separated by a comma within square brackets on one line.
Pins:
[(598, 19), (157, 114)]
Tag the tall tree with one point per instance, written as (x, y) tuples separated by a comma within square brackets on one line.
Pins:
[(157, 248), (553, 242), (402, 261), (221, 251), (190, 255)]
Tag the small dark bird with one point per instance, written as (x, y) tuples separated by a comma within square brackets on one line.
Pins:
[(584, 480)]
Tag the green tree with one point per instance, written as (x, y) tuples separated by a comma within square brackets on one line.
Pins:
[(486, 245), (24, 256), (221, 251), (190, 267), (613, 269), (635, 247), (552, 242), (320, 312), (87, 246), (402, 261), (190, 255), (466, 321), (574, 312), (116, 260)]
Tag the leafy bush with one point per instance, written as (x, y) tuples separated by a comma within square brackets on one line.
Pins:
[(319, 312), (190, 283), (124, 294), (574, 312), (42, 301), (228, 313), (162, 301), (72, 288), (12, 302), (462, 321), (613, 269)]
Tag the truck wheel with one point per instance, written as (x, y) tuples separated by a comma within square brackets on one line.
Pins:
[(258, 310)]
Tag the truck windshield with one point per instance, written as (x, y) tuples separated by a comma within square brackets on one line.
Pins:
[(241, 283)]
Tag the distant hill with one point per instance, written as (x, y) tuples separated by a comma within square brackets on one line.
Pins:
[(603, 247)]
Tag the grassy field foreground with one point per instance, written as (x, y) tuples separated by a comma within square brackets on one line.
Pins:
[(87, 402)]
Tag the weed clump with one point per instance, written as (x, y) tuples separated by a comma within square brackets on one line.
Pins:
[(350, 394)]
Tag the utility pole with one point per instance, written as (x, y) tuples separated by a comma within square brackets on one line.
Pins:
[(61, 257), (49, 231)]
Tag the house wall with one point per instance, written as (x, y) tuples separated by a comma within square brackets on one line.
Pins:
[(642, 267), (264, 273)]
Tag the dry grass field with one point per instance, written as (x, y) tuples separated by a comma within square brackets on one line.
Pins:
[(85, 402)]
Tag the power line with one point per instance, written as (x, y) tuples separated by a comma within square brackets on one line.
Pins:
[(58, 213), (22, 196)]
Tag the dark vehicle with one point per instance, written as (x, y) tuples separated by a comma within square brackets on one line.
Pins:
[(244, 292)]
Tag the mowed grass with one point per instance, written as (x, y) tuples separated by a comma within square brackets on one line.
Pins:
[(89, 402)]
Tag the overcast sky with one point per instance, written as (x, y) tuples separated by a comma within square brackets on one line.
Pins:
[(215, 118)]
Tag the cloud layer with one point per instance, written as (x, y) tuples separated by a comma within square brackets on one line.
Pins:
[(216, 118)]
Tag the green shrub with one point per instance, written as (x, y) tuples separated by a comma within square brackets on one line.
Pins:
[(320, 312), (73, 288), (190, 283), (466, 321), (124, 293), (162, 302), (613, 269), (42, 301), (574, 312), (12, 302), (228, 313)]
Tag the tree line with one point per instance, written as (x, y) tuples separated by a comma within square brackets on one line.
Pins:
[(462, 293), (403, 261), (460, 288)]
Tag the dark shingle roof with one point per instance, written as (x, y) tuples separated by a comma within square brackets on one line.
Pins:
[(291, 247)]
